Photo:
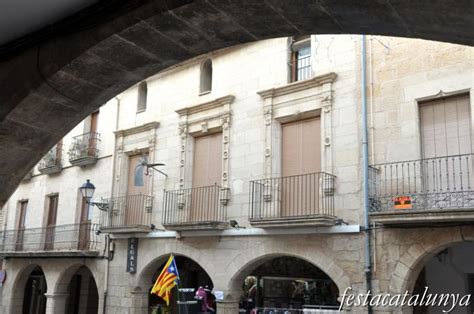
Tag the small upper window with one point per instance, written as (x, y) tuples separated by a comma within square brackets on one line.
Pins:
[(300, 63), (142, 96), (206, 77)]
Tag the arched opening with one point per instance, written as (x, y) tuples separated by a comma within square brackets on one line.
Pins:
[(206, 77), (142, 96), (83, 296), (192, 277), (451, 271), (34, 299), (287, 283)]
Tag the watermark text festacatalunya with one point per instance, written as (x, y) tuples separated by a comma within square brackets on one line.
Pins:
[(446, 301)]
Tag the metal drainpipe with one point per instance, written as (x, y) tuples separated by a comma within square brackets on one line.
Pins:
[(106, 275), (365, 158)]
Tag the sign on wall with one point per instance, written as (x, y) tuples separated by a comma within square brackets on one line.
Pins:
[(132, 254), (402, 202)]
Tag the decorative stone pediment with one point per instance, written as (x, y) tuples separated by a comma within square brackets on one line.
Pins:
[(299, 86), (300, 99), (205, 117), (137, 129)]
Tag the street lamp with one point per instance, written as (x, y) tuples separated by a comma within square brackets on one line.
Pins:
[(87, 191)]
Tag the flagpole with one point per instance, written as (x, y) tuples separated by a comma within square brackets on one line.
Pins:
[(179, 291)]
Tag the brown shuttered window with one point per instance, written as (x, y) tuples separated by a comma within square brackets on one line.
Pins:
[(207, 164), (301, 147), (445, 127)]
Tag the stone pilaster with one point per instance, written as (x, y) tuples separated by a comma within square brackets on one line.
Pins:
[(227, 307), (56, 303), (139, 302)]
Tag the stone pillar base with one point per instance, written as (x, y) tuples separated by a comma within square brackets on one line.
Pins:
[(227, 307), (139, 302), (56, 303)]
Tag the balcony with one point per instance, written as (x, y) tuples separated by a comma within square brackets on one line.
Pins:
[(51, 162), (127, 214), (425, 190), (84, 149), (74, 240), (202, 208), (301, 200)]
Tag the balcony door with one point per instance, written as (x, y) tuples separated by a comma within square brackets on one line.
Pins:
[(207, 177), (134, 201), (51, 222), (446, 145), (301, 156), (21, 225)]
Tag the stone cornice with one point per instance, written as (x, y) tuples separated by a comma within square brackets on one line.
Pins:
[(216, 103), (137, 129), (298, 86)]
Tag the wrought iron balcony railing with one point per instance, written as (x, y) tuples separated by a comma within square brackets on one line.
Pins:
[(202, 205), (423, 184), (299, 196), (129, 211), (52, 161), (84, 149), (59, 238)]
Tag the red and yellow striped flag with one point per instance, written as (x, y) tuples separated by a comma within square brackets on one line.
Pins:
[(166, 281)]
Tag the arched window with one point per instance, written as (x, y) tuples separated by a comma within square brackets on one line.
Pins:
[(142, 95), (206, 77)]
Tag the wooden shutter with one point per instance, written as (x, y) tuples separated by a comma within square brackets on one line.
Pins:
[(445, 131), (51, 222), (94, 121), (207, 165), (53, 210), (23, 212), (445, 127), (301, 154), (301, 147)]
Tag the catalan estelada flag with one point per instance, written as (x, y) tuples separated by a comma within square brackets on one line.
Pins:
[(166, 281)]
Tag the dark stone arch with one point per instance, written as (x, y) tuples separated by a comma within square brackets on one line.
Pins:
[(21, 286)]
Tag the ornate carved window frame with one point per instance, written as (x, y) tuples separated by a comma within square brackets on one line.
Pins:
[(209, 117), (292, 102), (129, 142)]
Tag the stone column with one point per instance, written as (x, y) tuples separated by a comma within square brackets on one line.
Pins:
[(139, 302), (227, 307), (56, 303)]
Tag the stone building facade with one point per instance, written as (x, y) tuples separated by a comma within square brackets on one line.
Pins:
[(259, 148)]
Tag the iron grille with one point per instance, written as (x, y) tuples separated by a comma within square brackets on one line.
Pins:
[(84, 146), (127, 211), (426, 184), (205, 204), (71, 237), (293, 196)]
